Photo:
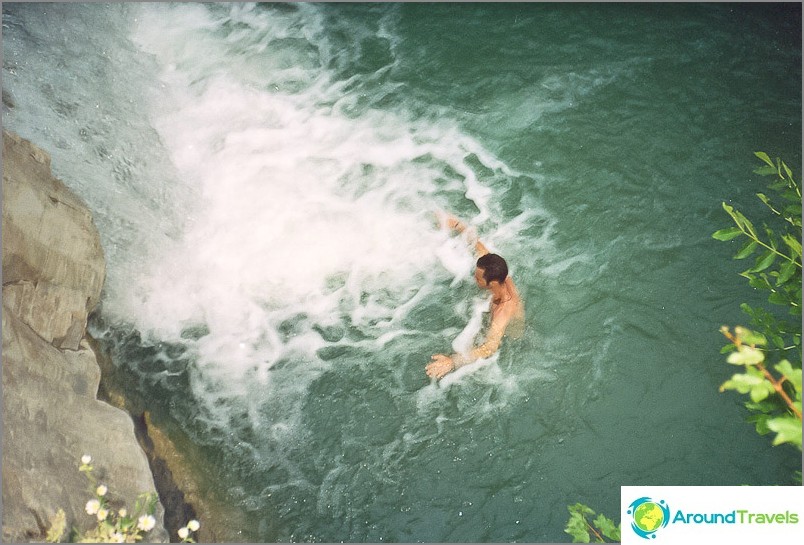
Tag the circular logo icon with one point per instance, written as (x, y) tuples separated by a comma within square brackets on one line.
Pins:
[(648, 516)]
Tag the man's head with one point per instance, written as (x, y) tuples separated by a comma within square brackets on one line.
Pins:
[(490, 268)]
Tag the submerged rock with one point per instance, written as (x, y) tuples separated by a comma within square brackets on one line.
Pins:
[(188, 488), (53, 272)]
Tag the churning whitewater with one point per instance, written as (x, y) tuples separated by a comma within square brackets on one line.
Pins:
[(266, 178)]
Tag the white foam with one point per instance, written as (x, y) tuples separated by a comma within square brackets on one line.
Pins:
[(465, 340), (299, 206)]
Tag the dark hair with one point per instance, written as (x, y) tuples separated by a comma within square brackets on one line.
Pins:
[(494, 268)]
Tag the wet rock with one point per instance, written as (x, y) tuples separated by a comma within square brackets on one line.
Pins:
[(187, 491), (53, 271)]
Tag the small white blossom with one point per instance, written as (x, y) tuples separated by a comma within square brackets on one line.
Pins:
[(117, 537), (122, 512), (102, 514), (101, 490), (85, 459), (92, 507), (184, 532), (193, 525), (146, 523)]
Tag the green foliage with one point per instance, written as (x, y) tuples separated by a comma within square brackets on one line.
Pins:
[(777, 262), (770, 354), (58, 525), (582, 531), (783, 418), (114, 525)]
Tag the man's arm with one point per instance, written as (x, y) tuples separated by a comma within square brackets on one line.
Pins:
[(458, 226), (442, 364)]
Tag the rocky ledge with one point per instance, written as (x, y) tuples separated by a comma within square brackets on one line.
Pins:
[(53, 272)]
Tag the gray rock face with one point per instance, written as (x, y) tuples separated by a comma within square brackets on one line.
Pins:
[(53, 265), (53, 271)]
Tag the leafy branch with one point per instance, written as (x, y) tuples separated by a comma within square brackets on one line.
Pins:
[(775, 399), (759, 383), (784, 284), (579, 527)]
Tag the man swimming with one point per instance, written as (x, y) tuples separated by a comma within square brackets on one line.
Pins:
[(491, 273)]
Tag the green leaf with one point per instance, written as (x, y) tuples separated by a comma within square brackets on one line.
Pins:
[(746, 355), (576, 525), (758, 387), (764, 198), (765, 170), (778, 185), (742, 383), (778, 298), (791, 374), (747, 250), (764, 156), (787, 170), (581, 509), (727, 234), (740, 219), (795, 305), (771, 237), (58, 526), (748, 309), (786, 272), (746, 223), (759, 282), (763, 262), (765, 407), (792, 214), (787, 428), (730, 211), (579, 534), (760, 421), (607, 527), (748, 336), (761, 391), (794, 244)]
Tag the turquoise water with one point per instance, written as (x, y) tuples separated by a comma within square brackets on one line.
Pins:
[(264, 178)]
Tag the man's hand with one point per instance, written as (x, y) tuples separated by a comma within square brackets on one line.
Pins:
[(445, 219), (440, 366)]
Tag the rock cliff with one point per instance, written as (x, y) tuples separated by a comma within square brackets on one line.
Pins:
[(53, 272)]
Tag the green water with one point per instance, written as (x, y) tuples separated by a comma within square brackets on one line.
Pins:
[(591, 144)]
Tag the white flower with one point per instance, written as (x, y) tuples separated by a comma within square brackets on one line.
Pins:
[(92, 507), (193, 525), (85, 459), (102, 490), (146, 523), (122, 512), (184, 532), (117, 537), (102, 514)]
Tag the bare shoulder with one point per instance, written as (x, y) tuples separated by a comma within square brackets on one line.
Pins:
[(514, 313), (507, 311), (515, 297)]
